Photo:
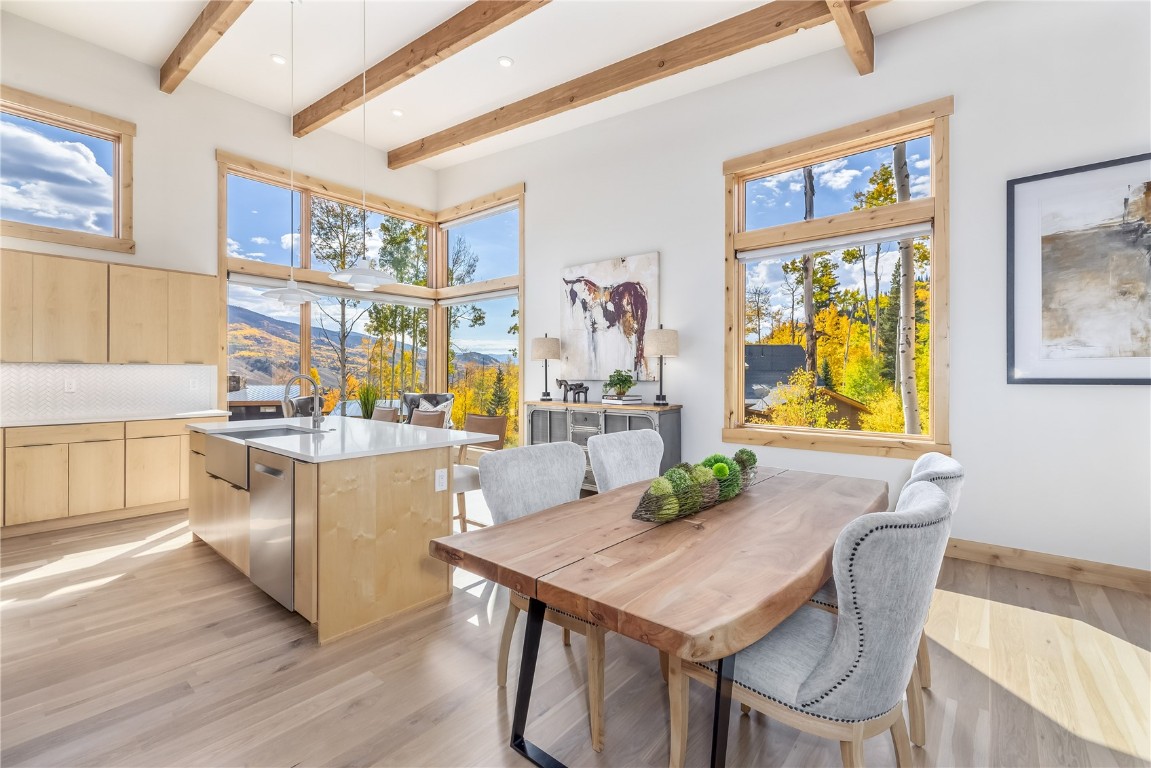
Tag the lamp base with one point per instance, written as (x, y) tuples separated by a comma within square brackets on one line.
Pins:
[(546, 397), (660, 400)]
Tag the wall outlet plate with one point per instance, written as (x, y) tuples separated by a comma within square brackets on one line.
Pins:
[(441, 480), (70, 386)]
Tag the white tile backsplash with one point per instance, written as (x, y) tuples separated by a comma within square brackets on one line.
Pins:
[(32, 393)]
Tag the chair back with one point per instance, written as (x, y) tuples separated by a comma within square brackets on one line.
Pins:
[(384, 414), (621, 458), (488, 425), (885, 566), (436, 419), (943, 471), (519, 481)]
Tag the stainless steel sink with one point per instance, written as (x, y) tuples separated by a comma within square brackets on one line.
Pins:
[(226, 455)]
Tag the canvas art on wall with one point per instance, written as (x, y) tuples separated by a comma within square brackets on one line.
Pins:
[(1079, 275), (607, 308)]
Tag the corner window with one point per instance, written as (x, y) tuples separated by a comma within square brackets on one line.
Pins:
[(837, 268), (67, 173)]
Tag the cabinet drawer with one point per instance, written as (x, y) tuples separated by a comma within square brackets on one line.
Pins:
[(67, 433), (580, 436), (197, 442), (163, 427), (585, 419)]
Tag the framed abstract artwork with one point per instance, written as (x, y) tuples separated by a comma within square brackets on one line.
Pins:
[(1079, 275), (607, 309)]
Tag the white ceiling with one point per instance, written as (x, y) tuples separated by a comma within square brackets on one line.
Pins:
[(562, 40)]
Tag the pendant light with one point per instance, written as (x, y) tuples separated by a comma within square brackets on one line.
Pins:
[(361, 276), (292, 295)]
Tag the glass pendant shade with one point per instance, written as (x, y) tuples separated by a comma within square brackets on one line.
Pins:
[(362, 277), (291, 295)]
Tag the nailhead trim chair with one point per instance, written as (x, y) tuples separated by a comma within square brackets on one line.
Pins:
[(842, 676), (621, 458), (521, 481), (948, 474)]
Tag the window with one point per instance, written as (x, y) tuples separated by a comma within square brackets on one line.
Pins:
[(485, 246), (837, 267), (483, 359), (67, 173), (263, 221), (263, 340)]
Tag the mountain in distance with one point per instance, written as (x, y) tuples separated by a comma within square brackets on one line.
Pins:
[(480, 358), (281, 329)]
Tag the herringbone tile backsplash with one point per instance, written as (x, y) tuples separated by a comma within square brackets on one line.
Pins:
[(34, 393)]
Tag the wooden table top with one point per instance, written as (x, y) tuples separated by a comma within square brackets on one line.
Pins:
[(702, 587)]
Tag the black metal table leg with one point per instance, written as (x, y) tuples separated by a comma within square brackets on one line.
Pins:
[(725, 668), (532, 634)]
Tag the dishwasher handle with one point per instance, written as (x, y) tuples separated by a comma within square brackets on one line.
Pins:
[(264, 469)]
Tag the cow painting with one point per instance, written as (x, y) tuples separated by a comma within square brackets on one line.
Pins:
[(607, 306)]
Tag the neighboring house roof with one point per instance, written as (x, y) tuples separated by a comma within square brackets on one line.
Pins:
[(262, 393), (768, 366)]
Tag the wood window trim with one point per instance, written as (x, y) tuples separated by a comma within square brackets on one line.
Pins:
[(929, 119), (120, 132)]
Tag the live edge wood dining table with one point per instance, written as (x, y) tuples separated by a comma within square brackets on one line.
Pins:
[(701, 588)]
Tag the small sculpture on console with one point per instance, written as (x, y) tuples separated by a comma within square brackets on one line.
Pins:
[(577, 389)]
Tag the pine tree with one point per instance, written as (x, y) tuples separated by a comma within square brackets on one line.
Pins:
[(500, 397)]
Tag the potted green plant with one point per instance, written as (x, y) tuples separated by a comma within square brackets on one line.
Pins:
[(368, 394), (619, 382)]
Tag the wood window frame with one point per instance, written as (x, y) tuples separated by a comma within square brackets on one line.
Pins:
[(930, 119), (121, 133), (229, 164)]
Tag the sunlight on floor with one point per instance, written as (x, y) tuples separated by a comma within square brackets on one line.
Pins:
[(1054, 664)]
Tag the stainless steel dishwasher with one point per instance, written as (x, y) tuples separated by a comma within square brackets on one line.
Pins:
[(272, 565)]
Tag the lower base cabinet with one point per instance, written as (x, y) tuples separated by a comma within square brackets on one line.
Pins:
[(35, 483), (95, 477), (218, 513), (152, 470)]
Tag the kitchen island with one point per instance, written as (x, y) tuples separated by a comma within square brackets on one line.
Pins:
[(337, 520)]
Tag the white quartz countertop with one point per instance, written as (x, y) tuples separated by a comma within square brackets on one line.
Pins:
[(109, 419), (342, 437)]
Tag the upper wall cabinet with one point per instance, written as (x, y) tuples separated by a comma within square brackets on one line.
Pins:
[(61, 310), (193, 319), (137, 315)]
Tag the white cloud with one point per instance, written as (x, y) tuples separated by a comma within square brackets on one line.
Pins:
[(288, 240), (234, 248), (835, 174), (256, 255), (920, 185), (261, 240), (922, 164), (53, 183), (795, 186), (252, 298)]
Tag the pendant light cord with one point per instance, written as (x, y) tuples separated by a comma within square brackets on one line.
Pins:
[(291, 143), (364, 151)]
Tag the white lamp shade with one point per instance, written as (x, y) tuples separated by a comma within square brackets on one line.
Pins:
[(546, 348), (661, 342)]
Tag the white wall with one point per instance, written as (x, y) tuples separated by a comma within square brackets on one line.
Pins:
[(177, 137), (1038, 87)]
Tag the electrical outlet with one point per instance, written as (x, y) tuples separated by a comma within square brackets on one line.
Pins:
[(193, 385), (70, 386), (441, 479)]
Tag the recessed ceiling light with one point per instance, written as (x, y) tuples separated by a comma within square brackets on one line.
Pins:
[(505, 61), (397, 113), (278, 59)]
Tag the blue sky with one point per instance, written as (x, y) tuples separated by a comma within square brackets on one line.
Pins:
[(778, 199), (55, 177)]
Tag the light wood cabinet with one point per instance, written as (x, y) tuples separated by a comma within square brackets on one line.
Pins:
[(137, 315), (185, 480), (225, 522), (69, 310), (95, 477), (35, 483), (199, 496), (15, 306), (193, 319), (152, 470)]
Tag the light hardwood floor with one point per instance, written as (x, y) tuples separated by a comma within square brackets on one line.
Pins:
[(126, 644)]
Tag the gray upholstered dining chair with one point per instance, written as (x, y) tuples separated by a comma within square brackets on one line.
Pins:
[(842, 675), (948, 474), (518, 482), (620, 458)]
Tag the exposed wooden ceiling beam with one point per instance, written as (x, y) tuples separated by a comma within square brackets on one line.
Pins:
[(205, 32), (769, 22), (469, 26), (856, 33), (866, 5)]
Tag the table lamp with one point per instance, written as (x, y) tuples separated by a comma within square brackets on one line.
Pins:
[(661, 342), (545, 349)]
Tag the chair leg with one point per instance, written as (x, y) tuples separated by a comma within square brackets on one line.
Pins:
[(923, 661), (852, 752), (899, 739), (595, 637), (462, 506), (915, 708), (567, 637), (677, 700), (663, 662), (506, 644)]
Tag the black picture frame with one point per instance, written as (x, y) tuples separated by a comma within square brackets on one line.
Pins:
[(1014, 320)]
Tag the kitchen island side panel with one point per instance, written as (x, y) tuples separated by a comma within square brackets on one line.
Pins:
[(376, 516)]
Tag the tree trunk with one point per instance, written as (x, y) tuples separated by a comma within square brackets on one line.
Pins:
[(343, 354), (906, 338), (875, 314), (847, 341), (809, 271)]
